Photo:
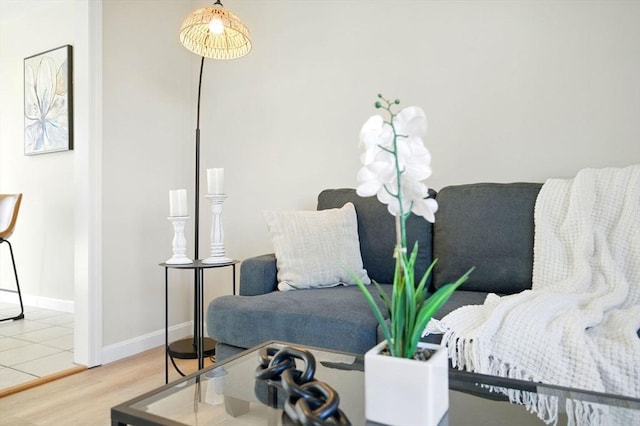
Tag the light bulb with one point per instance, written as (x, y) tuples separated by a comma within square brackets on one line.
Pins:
[(216, 26)]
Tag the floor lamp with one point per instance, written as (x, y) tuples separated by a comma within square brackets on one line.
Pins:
[(210, 32)]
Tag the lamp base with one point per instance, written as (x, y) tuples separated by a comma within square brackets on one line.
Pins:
[(186, 348)]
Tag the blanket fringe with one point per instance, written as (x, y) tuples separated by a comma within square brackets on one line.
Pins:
[(583, 413), (469, 355), (466, 355)]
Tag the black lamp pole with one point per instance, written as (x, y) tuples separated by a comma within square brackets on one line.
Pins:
[(199, 345), (197, 211)]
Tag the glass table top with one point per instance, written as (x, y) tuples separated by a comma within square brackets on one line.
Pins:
[(229, 394)]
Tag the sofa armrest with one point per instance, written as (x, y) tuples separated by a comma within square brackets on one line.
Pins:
[(258, 275)]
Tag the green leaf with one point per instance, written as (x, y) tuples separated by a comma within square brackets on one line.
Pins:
[(422, 287), (383, 295), (374, 307), (434, 303)]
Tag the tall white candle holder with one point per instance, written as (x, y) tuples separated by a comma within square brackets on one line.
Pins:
[(217, 234), (179, 241)]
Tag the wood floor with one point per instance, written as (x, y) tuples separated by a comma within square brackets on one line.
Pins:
[(85, 398)]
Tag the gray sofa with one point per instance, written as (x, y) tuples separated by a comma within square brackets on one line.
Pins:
[(486, 225)]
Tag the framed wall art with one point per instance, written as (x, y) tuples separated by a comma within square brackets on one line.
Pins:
[(48, 101)]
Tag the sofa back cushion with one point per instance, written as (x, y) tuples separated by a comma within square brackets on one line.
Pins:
[(377, 232), (489, 226)]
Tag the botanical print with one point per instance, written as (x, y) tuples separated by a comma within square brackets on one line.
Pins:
[(47, 101)]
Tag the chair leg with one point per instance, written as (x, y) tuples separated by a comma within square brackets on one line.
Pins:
[(15, 273)]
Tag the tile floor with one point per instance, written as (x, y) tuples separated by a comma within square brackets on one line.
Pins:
[(36, 346)]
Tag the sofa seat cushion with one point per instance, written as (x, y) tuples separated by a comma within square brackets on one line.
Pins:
[(459, 299), (334, 318)]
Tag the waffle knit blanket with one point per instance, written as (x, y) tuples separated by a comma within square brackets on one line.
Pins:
[(577, 326)]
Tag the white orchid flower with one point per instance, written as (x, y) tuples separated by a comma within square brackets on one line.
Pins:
[(414, 158), (426, 208), (411, 121), (369, 184), (376, 133), (393, 150)]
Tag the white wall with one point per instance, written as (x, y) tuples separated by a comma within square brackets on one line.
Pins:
[(147, 146), (44, 240), (513, 91)]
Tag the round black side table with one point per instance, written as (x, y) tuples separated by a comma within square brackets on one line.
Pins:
[(198, 346)]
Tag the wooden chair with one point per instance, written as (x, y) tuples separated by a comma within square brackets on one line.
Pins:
[(9, 207)]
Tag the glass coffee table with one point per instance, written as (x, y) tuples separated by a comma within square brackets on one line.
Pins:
[(229, 394)]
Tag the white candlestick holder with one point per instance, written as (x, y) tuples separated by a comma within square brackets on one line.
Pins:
[(217, 233), (179, 241)]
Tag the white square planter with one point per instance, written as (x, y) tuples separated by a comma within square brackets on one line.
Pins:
[(401, 391)]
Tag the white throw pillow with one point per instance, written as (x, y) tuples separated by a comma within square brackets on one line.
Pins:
[(316, 249)]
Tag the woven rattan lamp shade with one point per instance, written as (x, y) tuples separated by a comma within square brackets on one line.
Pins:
[(233, 42)]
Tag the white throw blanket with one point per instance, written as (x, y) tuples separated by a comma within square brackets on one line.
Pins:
[(577, 326)]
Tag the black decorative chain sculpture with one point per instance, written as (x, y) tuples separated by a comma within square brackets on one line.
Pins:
[(309, 402)]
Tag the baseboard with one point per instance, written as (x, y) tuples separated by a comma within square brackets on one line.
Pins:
[(116, 351), (134, 346), (39, 302)]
